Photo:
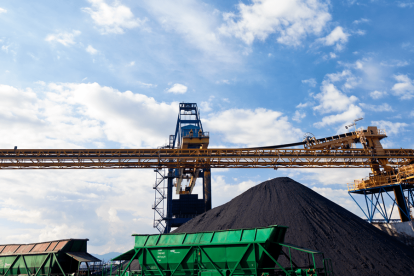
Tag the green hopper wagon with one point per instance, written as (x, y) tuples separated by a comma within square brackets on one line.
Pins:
[(221, 253), (61, 257)]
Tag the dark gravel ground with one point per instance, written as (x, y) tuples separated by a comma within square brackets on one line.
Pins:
[(355, 247)]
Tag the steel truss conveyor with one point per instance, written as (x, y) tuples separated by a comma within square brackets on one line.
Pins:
[(199, 158), (187, 157)]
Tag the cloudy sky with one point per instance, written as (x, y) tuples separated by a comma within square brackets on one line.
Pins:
[(110, 74)]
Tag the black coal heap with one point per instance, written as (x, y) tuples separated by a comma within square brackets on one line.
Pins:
[(355, 247)]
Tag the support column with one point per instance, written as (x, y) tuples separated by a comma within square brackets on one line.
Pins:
[(207, 189), (399, 198), (168, 218)]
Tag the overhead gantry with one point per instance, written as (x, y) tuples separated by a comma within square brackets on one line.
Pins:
[(187, 157), (201, 158)]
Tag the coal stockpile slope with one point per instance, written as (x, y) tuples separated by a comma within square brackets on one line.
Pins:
[(355, 247)]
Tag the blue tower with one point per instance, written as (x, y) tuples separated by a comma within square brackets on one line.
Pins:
[(169, 212)]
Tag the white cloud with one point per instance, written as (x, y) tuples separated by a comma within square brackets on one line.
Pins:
[(291, 20), (390, 127), (47, 206), (358, 65), (349, 115), (334, 176), (46, 203), (298, 116), (64, 38), (377, 108), (406, 45), (224, 192), (395, 63), (91, 50), (362, 20), (223, 81), (346, 75), (412, 113), (5, 48), (337, 37), (311, 82), (303, 105), (332, 100), (257, 127), (147, 85), (3, 10), (132, 63), (404, 88), (377, 94), (72, 114), (196, 22), (406, 4), (359, 32), (42, 83), (205, 106), (113, 18), (178, 89)]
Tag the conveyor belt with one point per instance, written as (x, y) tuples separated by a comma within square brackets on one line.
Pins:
[(304, 142), (280, 146)]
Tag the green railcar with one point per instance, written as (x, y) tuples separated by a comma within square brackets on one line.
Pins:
[(59, 257), (221, 253)]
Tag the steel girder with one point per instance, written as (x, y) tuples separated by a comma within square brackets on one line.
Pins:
[(198, 158)]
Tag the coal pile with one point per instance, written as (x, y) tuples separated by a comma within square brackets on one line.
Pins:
[(355, 247)]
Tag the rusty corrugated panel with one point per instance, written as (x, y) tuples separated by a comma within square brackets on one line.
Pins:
[(30, 247), (52, 246), (22, 249), (10, 248), (40, 247), (60, 245)]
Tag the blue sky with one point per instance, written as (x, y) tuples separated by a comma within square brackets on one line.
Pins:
[(110, 74)]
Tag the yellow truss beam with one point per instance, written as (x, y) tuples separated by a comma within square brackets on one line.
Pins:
[(405, 174), (199, 158)]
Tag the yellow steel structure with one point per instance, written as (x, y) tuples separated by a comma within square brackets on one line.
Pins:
[(403, 174), (200, 158), (369, 138), (388, 166), (331, 152)]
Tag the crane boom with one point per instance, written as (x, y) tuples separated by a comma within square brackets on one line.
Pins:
[(199, 158)]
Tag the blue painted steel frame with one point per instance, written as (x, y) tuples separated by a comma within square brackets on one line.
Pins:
[(172, 144), (197, 121), (374, 201)]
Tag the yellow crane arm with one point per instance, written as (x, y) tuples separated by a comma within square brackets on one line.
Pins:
[(199, 158)]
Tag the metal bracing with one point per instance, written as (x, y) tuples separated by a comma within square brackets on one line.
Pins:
[(50, 257), (160, 196), (375, 203), (199, 158), (188, 114), (152, 265), (188, 134)]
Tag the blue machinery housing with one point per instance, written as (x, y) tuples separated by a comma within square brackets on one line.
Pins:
[(189, 133)]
